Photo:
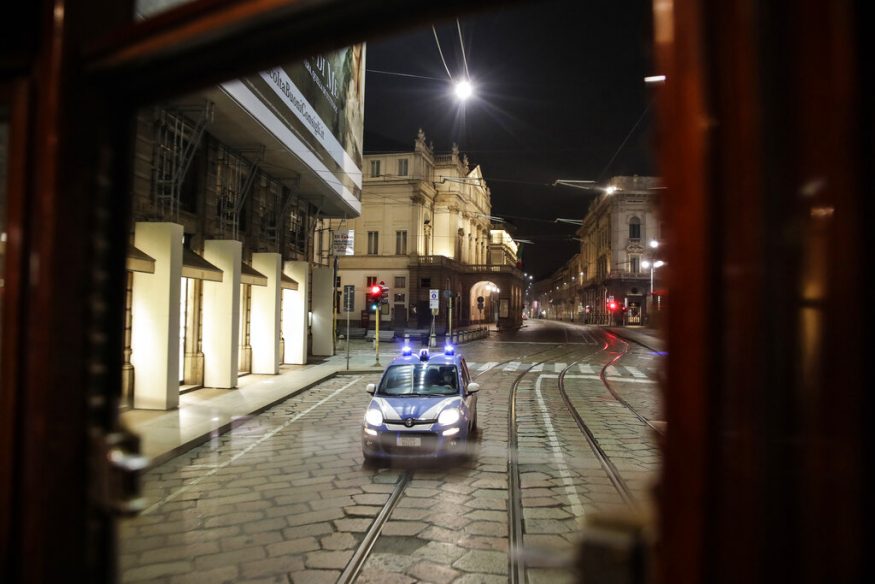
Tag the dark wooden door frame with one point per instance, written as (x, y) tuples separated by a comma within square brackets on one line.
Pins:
[(762, 152)]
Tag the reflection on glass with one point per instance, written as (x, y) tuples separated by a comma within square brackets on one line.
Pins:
[(4, 155), (147, 8)]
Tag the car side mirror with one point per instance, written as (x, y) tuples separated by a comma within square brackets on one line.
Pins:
[(371, 388), (473, 387)]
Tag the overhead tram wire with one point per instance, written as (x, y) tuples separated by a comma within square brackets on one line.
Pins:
[(462, 44), (440, 52), (626, 139), (397, 74)]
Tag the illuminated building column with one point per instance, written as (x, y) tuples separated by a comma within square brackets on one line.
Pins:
[(295, 317), (265, 315), (323, 311), (221, 308), (155, 317), (444, 233)]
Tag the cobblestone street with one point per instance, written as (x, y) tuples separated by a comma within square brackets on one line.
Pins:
[(285, 497)]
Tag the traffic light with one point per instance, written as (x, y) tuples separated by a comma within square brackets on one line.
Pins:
[(384, 293), (375, 293), (612, 305)]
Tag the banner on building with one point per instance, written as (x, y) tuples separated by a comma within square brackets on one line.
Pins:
[(344, 242), (323, 96)]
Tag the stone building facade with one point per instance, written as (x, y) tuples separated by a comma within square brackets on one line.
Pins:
[(426, 225), (619, 259)]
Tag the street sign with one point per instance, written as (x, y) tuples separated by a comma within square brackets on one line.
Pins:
[(348, 298), (434, 301)]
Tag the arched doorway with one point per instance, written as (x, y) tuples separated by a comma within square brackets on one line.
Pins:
[(483, 301)]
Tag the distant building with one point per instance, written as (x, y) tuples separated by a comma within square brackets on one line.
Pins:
[(620, 238), (425, 225)]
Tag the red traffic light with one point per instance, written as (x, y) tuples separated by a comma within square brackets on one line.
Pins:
[(612, 305), (376, 290)]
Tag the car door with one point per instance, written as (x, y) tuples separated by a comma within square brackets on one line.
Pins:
[(470, 398)]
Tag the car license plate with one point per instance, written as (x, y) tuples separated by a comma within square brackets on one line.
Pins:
[(409, 441)]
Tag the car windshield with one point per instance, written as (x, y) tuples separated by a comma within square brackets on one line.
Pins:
[(419, 379)]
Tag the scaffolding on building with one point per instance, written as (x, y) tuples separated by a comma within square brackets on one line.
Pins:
[(235, 177), (177, 139)]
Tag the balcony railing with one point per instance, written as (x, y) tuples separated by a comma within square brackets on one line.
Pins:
[(445, 262)]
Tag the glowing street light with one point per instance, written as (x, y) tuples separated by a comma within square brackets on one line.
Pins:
[(464, 90)]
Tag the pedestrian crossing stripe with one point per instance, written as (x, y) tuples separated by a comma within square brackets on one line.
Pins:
[(613, 372), (635, 372)]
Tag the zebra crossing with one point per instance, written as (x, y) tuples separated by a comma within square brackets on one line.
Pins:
[(613, 372)]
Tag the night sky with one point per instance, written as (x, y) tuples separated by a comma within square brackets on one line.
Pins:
[(559, 86)]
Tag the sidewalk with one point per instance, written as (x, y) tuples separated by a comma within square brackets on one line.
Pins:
[(207, 412)]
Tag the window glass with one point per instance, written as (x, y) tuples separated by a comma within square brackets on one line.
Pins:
[(419, 379)]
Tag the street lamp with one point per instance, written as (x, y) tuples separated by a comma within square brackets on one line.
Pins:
[(464, 90), (653, 266)]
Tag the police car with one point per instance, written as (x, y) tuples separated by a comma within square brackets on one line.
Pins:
[(424, 405)]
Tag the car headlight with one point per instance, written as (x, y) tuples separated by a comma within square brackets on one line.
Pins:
[(449, 416), (374, 417)]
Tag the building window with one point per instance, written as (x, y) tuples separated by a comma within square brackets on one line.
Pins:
[(400, 243), (425, 283), (375, 168), (371, 281), (635, 264), (400, 282), (373, 242), (634, 228), (402, 167), (400, 297)]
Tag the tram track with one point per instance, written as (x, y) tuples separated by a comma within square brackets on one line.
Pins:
[(607, 465), (604, 377), (372, 535), (516, 532), (516, 559)]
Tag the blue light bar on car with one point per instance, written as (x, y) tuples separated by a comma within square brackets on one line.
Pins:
[(406, 350), (449, 350)]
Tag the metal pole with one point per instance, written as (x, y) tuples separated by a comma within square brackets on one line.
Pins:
[(377, 334), (347, 338), (450, 321)]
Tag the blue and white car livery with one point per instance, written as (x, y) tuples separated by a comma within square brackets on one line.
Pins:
[(423, 406)]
